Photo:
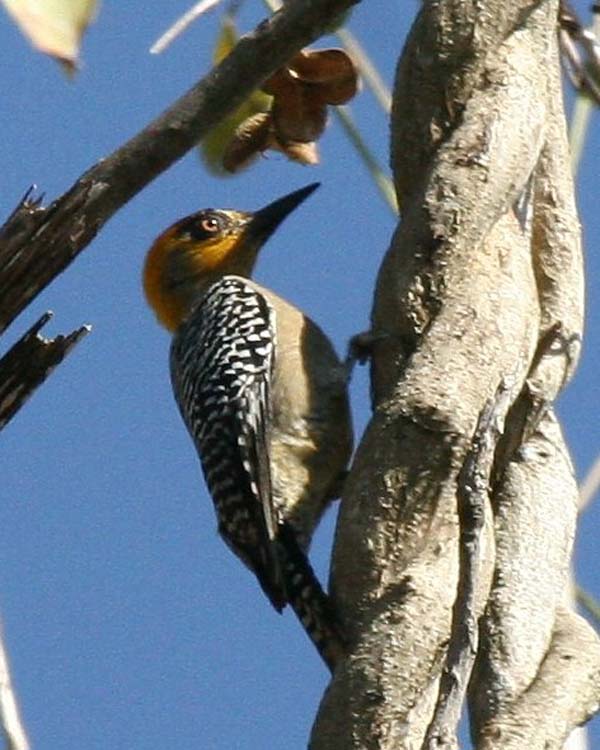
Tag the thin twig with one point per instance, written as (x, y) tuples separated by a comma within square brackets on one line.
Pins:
[(181, 24), (12, 726), (382, 180), (589, 603), (366, 68), (578, 128), (590, 485), (583, 69), (472, 498)]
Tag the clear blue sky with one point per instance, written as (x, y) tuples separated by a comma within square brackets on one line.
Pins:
[(128, 622)]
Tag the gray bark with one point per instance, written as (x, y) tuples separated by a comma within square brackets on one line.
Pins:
[(29, 362), (482, 286)]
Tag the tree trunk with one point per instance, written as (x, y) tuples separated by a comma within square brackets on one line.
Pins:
[(480, 294)]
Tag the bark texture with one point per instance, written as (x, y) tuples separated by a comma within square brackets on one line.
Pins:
[(481, 289), (29, 362)]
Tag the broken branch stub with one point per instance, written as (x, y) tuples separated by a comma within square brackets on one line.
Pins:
[(29, 362)]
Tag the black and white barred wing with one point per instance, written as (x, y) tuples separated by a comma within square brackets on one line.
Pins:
[(221, 365)]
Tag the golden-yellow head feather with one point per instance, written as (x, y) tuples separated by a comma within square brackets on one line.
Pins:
[(198, 250)]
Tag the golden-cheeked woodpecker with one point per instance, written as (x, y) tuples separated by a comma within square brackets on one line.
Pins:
[(263, 396)]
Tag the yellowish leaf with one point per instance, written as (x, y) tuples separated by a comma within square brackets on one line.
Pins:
[(214, 145), (226, 40), (54, 26)]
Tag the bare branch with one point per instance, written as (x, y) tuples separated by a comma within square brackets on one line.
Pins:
[(28, 363), (590, 485), (32, 253), (181, 24), (12, 726)]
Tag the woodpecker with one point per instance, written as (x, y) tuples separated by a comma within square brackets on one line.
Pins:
[(263, 396)]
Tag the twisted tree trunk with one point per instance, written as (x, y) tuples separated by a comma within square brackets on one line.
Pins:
[(477, 320)]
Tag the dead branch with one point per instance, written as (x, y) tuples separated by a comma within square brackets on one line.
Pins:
[(15, 736), (28, 363)]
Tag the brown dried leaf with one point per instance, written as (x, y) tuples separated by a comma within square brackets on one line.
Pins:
[(329, 72), (301, 91), (303, 153), (298, 116), (318, 65), (338, 91), (279, 84), (253, 136)]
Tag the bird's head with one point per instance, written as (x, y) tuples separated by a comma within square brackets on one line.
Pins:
[(201, 248)]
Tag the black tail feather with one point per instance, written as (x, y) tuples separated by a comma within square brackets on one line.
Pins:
[(311, 604)]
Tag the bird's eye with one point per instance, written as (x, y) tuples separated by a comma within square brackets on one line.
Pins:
[(201, 226), (210, 224)]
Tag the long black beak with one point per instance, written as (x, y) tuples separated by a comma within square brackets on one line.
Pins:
[(264, 222)]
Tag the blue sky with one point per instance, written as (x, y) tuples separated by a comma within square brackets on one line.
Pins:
[(127, 620)]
